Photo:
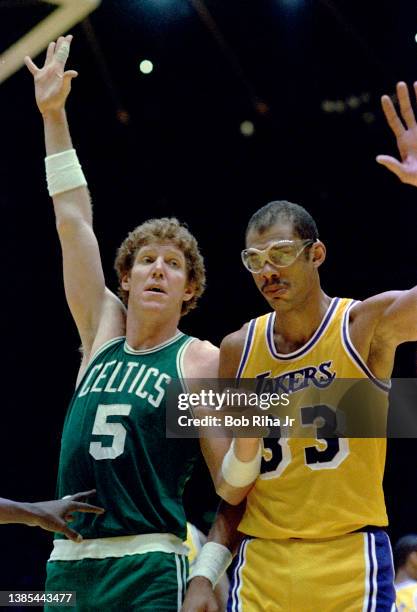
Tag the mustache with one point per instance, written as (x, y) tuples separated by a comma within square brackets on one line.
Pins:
[(274, 281)]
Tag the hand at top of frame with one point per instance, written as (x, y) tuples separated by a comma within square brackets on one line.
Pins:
[(52, 82), (406, 135)]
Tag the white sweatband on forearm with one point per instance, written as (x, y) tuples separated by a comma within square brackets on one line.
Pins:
[(239, 473), (63, 172), (212, 561)]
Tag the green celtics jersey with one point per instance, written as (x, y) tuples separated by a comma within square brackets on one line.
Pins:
[(114, 441)]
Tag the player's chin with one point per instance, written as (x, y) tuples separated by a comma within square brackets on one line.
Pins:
[(280, 302), (153, 305), (154, 298)]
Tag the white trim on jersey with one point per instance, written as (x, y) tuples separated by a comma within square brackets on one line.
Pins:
[(158, 347), (103, 347), (374, 573), (180, 363), (310, 344), (100, 548), (180, 580), (353, 354), (235, 603), (250, 335), (367, 568)]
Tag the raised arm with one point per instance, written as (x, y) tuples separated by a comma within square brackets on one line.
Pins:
[(390, 318), (87, 297), (382, 322), (405, 132)]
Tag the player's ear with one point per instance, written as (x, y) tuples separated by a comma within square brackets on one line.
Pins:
[(125, 282), (318, 253), (189, 292), (413, 558)]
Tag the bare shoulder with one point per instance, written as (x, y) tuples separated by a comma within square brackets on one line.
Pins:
[(201, 360), (373, 307), (371, 338), (235, 340), (365, 316), (231, 350)]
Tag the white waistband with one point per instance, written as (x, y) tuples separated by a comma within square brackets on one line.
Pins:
[(100, 548)]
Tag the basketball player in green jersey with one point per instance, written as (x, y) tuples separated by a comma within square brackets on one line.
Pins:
[(114, 438), (50, 515)]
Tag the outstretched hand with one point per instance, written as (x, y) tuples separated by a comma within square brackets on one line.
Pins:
[(53, 515), (52, 82), (406, 136)]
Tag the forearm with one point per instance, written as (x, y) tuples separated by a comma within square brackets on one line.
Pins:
[(225, 527), (16, 512), (56, 130), (246, 449), (239, 469), (216, 555), (73, 205), (233, 471)]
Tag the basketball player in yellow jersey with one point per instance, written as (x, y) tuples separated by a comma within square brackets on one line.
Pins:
[(314, 518), (405, 562)]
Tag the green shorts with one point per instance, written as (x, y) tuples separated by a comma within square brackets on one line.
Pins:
[(146, 582)]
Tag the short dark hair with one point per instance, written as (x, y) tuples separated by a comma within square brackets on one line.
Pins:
[(403, 548), (282, 210)]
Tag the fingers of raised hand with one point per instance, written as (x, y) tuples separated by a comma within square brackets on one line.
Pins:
[(391, 116), (392, 164), (62, 49), (50, 52), (68, 75), (405, 104), (33, 69)]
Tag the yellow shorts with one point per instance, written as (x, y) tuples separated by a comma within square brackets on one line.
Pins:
[(351, 573)]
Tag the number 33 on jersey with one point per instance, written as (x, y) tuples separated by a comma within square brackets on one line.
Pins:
[(305, 479)]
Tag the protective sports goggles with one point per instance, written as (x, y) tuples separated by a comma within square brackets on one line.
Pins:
[(280, 254)]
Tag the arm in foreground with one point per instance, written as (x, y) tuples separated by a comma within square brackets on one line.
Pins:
[(201, 596), (234, 463), (50, 515)]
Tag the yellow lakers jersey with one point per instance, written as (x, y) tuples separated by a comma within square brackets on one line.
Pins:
[(311, 486), (406, 596)]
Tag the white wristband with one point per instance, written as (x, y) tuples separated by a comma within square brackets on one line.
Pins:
[(212, 561), (63, 172), (240, 473)]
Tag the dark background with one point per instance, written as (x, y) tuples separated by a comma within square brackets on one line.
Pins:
[(309, 75)]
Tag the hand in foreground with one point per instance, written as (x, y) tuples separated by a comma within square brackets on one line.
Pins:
[(200, 596), (406, 136), (52, 82), (53, 515)]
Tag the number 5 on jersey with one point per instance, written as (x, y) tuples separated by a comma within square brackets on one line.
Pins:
[(102, 427)]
